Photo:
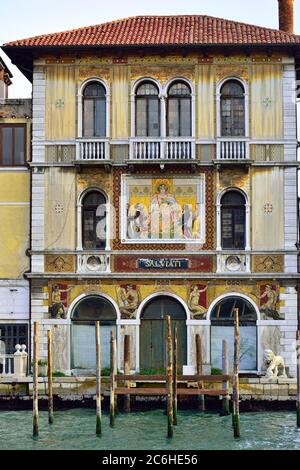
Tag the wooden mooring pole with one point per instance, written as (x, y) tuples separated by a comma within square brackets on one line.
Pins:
[(50, 379), (225, 411), (298, 378), (199, 362), (112, 378), (169, 378), (127, 371), (236, 407), (298, 341), (175, 371), (35, 380), (98, 381)]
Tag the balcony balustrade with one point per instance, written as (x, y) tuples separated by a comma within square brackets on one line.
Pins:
[(162, 149), (233, 149), (90, 150)]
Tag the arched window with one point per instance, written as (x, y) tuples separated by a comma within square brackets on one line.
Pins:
[(179, 109), (222, 328), (232, 109), (83, 346), (233, 220), (94, 110), (147, 111), (94, 221)]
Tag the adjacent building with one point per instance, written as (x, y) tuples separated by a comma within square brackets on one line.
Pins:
[(15, 144), (163, 181)]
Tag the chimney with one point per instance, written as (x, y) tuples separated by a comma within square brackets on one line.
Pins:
[(286, 15)]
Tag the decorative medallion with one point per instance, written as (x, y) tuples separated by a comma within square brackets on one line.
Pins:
[(267, 102), (268, 208), (233, 263), (59, 104), (59, 208)]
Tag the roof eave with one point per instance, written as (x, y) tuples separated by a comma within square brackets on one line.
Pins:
[(25, 61)]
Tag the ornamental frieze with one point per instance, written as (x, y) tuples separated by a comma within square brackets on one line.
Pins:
[(232, 71), (89, 178), (87, 72), (163, 73), (237, 179)]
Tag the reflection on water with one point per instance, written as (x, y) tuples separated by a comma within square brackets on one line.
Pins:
[(74, 429)]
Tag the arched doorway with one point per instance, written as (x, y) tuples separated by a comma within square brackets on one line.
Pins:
[(153, 332), (222, 327), (83, 346)]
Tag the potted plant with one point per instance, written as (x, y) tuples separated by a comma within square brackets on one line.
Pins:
[(43, 368)]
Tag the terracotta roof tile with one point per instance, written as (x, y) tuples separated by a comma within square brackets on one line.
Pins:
[(163, 30)]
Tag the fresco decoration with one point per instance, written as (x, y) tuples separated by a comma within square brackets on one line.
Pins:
[(55, 263), (268, 264), (225, 71), (240, 178), (173, 171), (162, 73), (164, 209), (129, 299), (269, 302), (89, 178), (197, 301), (59, 300)]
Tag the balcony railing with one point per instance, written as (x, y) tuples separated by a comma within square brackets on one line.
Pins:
[(162, 149), (90, 150), (6, 364), (232, 149)]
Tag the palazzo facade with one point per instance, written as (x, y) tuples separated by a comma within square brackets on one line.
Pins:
[(163, 182)]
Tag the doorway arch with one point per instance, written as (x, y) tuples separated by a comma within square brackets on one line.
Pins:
[(153, 331), (221, 314), (85, 313)]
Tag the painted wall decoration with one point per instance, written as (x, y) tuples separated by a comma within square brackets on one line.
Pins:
[(57, 263), (163, 209), (130, 263), (59, 300), (269, 300), (268, 264), (197, 301), (129, 299)]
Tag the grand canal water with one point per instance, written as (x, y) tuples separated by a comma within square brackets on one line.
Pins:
[(74, 429)]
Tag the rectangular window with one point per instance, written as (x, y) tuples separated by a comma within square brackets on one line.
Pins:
[(10, 336), (12, 145)]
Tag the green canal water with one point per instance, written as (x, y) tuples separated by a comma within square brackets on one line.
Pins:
[(74, 429)]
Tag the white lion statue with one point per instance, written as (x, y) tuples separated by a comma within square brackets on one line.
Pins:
[(274, 364)]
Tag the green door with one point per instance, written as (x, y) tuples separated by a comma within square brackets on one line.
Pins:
[(153, 333)]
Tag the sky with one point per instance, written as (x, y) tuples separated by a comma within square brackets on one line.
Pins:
[(25, 18)]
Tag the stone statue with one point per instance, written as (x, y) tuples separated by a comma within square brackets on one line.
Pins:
[(274, 365)]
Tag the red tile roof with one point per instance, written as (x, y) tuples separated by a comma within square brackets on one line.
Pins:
[(163, 30)]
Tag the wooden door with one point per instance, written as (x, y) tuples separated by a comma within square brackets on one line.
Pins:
[(153, 333)]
